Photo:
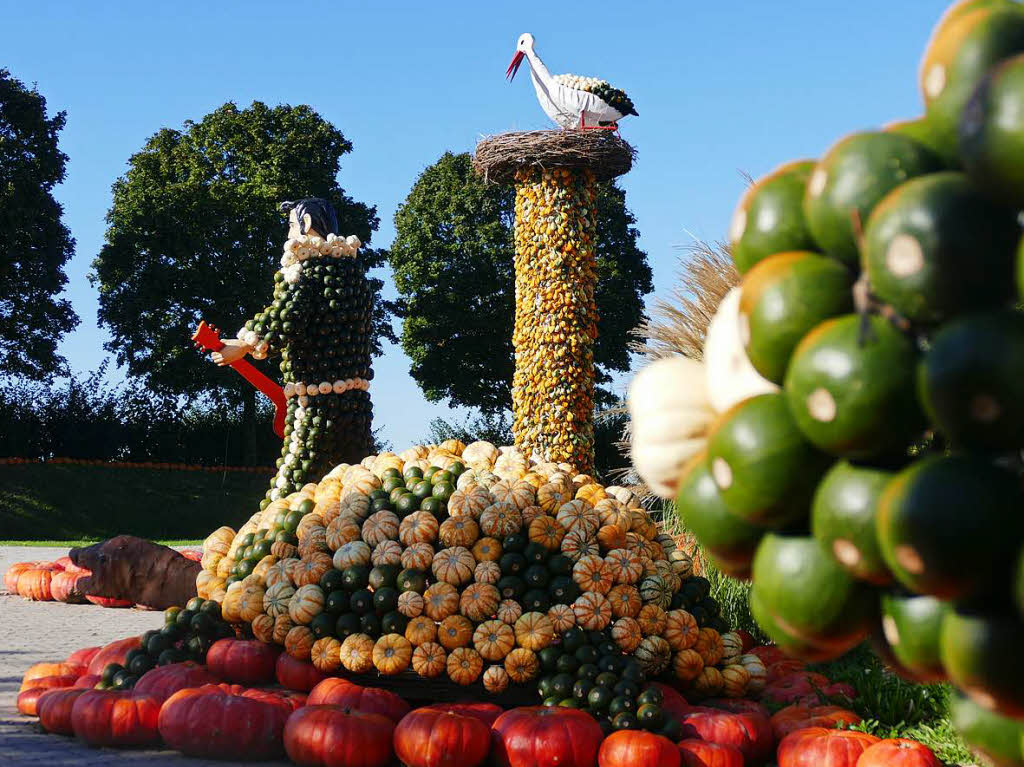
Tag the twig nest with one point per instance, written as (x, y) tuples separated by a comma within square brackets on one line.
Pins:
[(603, 153)]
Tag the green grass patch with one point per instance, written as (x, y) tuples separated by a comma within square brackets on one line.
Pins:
[(72, 544), (45, 504)]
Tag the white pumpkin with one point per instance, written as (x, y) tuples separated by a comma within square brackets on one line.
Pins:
[(730, 376), (480, 455), (670, 415)]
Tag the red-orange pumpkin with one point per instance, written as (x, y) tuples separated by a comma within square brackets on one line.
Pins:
[(224, 722), (108, 601), (751, 734), (898, 752), (333, 736), (115, 652), (35, 584), (242, 661), (636, 748), (738, 706), (13, 573), (539, 736), (64, 587), (673, 703), (790, 718), (485, 712), (428, 737), (700, 753), (54, 709), (818, 747), (115, 718), (297, 674), (369, 700), (43, 670), (162, 682), (88, 681), (83, 656)]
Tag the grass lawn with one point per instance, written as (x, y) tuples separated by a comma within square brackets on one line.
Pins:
[(41, 504)]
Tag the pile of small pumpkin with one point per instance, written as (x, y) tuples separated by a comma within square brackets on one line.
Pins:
[(470, 561), (250, 701)]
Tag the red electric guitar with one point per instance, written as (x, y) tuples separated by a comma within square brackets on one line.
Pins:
[(207, 338)]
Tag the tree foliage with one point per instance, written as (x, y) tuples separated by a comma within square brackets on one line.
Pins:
[(34, 243), (195, 233), (453, 264)]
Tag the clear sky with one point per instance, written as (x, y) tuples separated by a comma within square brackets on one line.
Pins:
[(722, 87)]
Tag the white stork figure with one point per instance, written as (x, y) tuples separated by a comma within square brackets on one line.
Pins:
[(571, 101)]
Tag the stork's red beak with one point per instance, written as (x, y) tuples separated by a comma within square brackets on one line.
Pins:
[(517, 61)]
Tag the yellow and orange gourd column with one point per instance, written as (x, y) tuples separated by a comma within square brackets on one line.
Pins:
[(556, 315)]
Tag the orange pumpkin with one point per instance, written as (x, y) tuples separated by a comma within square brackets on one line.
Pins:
[(386, 553), (522, 665), (487, 550), (709, 645), (610, 537), (562, 618), (534, 631), (509, 611), (681, 630), (593, 611), (340, 531), (493, 640), (547, 532), (578, 515), (501, 519), (487, 572), (418, 556), (392, 654), (579, 543), (495, 680), (625, 601), (550, 497), (592, 574), (326, 655), (709, 682), (455, 631), (464, 665), (440, 600), (282, 625), (418, 527), (454, 565), (381, 526), (735, 679), (357, 653), (421, 630), (311, 569), (459, 531), (652, 619), (429, 660), (298, 642), (687, 665), (626, 566), (410, 604), (306, 603), (479, 601), (626, 634)]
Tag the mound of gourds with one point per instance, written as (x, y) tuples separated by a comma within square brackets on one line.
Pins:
[(862, 465), (475, 563), (556, 315)]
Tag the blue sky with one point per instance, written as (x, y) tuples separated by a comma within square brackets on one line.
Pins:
[(722, 88)]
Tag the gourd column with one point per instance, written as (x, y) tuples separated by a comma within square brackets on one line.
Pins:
[(555, 174)]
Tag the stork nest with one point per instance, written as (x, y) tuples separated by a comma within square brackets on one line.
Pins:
[(602, 152)]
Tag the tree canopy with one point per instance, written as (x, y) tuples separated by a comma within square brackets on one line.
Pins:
[(34, 243), (453, 264), (195, 233)]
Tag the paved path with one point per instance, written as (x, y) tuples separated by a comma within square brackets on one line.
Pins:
[(38, 631)]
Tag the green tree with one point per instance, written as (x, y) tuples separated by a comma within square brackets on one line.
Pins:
[(453, 264), (34, 243), (195, 233)]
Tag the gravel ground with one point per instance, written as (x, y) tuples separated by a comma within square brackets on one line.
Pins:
[(38, 631)]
